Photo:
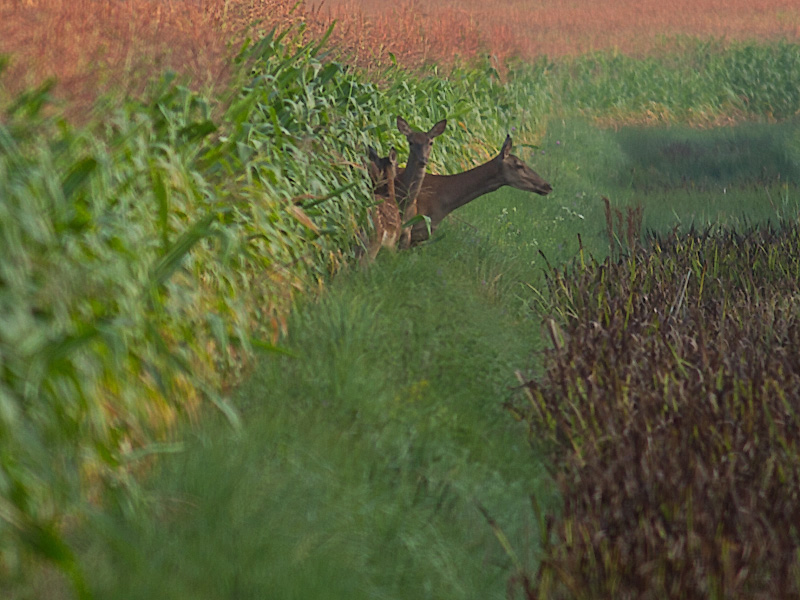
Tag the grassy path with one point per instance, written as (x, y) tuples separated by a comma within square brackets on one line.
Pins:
[(364, 455), (367, 451)]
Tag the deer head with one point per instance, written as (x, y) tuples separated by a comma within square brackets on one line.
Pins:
[(519, 175), (419, 142), (382, 171)]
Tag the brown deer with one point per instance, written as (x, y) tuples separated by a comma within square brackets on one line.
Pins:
[(442, 194), (386, 214), (409, 182)]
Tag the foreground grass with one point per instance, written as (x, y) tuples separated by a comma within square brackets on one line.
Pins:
[(365, 456)]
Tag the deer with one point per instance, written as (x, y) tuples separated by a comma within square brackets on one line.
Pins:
[(439, 195), (410, 179), (385, 214)]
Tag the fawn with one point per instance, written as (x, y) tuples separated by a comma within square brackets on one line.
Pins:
[(386, 214), (409, 180)]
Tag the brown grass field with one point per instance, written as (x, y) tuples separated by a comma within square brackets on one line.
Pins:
[(94, 45), (444, 29)]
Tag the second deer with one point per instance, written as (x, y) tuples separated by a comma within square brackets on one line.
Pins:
[(409, 181), (385, 214)]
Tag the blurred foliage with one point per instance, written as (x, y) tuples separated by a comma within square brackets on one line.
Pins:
[(701, 82)]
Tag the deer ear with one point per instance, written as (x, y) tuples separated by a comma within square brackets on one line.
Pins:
[(403, 126), (506, 149), (372, 153), (393, 155), (438, 129)]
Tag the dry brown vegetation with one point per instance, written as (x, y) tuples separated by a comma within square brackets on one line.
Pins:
[(446, 29), (99, 45), (669, 407)]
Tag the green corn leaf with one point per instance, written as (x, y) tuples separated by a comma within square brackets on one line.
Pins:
[(162, 198), (78, 175), (197, 131), (173, 258)]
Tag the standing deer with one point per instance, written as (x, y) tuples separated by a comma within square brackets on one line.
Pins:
[(440, 195), (386, 214), (409, 182)]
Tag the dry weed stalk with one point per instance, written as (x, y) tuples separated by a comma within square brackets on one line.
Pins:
[(628, 229), (670, 411)]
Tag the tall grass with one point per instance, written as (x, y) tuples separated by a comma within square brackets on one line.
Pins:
[(365, 458)]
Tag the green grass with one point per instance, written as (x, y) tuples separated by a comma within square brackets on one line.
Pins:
[(691, 82), (364, 456)]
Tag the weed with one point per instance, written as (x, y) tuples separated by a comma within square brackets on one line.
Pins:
[(669, 406)]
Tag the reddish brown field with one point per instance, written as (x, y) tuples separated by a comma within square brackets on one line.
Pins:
[(95, 45), (98, 45), (444, 29)]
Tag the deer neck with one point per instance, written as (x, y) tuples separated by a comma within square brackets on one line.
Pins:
[(442, 194), (458, 190), (409, 182), (390, 189)]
